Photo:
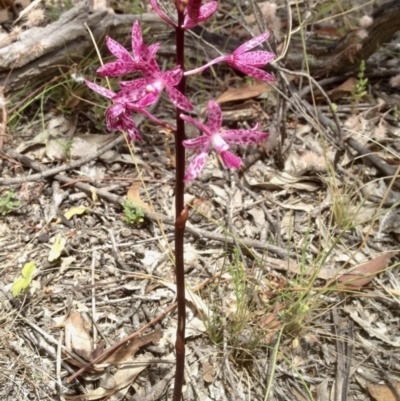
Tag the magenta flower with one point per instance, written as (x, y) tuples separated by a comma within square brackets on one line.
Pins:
[(146, 91), (119, 116), (195, 13), (219, 140), (247, 62), (143, 58)]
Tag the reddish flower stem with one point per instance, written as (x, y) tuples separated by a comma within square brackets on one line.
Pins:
[(181, 217)]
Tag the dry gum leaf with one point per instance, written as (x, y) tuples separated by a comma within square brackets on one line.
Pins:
[(133, 195), (381, 392), (366, 272)]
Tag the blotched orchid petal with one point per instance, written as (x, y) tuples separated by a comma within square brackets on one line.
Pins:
[(137, 40), (252, 43), (117, 68), (244, 136), (193, 8), (99, 89), (161, 14), (202, 127), (135, 84), (205, 12), (197, 163), (194, 143), (255, 59), (173, 77), (214, 117), (179, 100), (230, 160), (254, 72), (219, 140), (118, 50)]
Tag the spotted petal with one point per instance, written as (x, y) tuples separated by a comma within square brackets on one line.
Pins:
[(130, 95), (204, 13), (250, 44), (230, 160), (118, 50), (254, 72), (118, 68), (214, 117), (129, 126), (99, 89), (256, 59), (173, 77), (194, 143), (161, 14), (193, 8), (197, 163), (179, 100), (243, 136), (137, 40), (202, 127)]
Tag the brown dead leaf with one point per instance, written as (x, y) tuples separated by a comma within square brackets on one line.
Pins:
[(381, 392), (127, 351), (209, 371), (77, 338), (344, 89), (133, 195), (115, 386), (366, 272), (330, 31), (244, 92)]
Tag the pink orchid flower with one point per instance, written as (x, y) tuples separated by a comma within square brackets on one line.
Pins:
[(195, 13), (143, 58), (247, 62), (218, 139), (146, 91), (119, 116)]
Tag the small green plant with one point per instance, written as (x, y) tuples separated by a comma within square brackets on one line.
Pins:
[(23, 282), (132, 214), (7, 204), (396, 113), (359, 90)]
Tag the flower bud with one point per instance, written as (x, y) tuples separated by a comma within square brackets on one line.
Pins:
[(181, 5)]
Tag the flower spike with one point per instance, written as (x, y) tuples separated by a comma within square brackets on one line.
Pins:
[(218, 139)]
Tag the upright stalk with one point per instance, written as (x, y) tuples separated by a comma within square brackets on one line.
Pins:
[(180, 220)]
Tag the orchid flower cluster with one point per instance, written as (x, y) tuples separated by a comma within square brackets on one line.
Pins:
[(138, 94)]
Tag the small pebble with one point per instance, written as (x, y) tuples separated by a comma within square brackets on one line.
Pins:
[(126, 232), (115, 167), (43, 237)]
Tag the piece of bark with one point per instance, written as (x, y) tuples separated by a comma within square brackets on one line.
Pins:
[(39, 52)]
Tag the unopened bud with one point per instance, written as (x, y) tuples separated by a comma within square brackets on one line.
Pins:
[(181, 5)]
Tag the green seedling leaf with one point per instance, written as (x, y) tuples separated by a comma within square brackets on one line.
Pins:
[(21, 283), (57, 248)]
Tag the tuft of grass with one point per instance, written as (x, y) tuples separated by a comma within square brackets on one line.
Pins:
[(359, 90), (8, 204)]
